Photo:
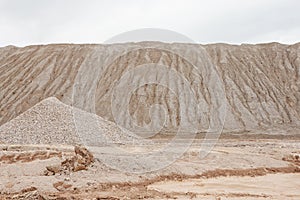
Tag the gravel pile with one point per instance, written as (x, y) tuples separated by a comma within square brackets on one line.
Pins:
[(52, 122)]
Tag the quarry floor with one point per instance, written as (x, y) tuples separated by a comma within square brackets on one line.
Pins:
[(237, 168)]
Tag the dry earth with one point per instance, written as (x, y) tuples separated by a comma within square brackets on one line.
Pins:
[(235, 169)]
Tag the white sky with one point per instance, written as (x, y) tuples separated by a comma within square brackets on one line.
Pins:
[(26, 22)]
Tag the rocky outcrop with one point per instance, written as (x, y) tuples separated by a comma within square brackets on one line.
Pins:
[(80, 161)]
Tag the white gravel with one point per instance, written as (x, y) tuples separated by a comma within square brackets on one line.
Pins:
[(52, 122)]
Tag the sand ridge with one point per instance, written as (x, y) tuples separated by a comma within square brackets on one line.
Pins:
[(261, 81)]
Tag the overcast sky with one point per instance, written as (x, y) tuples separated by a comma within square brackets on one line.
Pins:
[(26, 22)]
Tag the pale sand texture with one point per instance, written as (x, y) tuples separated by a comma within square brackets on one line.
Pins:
[(261, 82)]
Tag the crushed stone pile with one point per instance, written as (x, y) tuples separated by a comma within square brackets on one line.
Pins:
[(53, 122)]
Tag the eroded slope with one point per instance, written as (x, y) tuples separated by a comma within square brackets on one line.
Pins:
[(261, 81)]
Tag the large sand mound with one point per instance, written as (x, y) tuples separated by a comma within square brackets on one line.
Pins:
[(261, 82)]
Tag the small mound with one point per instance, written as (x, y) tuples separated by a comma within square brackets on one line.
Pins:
[(52, 122)]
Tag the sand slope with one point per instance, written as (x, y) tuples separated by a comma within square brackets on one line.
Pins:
[(262, 84)]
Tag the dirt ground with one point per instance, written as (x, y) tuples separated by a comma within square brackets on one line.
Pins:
[(237, 168)]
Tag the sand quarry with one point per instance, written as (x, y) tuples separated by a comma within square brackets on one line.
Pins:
[(46, 117)]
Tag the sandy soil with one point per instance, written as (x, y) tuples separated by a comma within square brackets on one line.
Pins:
[(235, 169)]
